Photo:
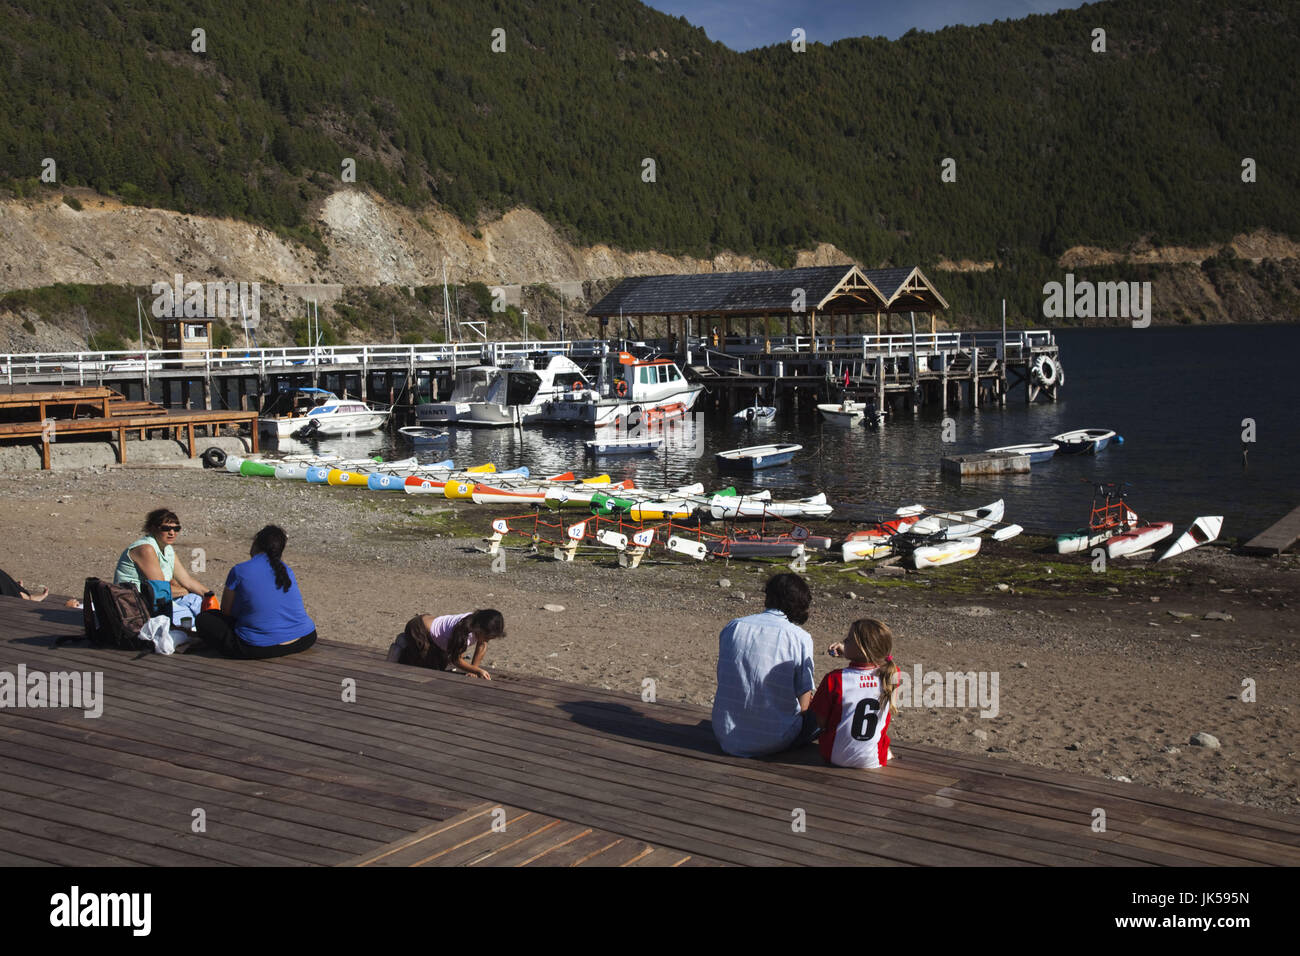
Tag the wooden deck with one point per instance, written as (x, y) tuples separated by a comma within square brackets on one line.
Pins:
[(1277, 537), (425, 768), (109, 413)]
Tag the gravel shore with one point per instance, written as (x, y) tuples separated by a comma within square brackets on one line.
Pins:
[(1107, 673)]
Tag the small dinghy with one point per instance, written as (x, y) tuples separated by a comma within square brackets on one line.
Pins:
[(421, 435), (1138, 539), (1085, 441), (961, 524), (1203, 530), (848, 412), (756, 457), (623, 446), (1037, 452), (755, 413)]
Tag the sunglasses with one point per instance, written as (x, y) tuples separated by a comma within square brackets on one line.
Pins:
[(173, 528)]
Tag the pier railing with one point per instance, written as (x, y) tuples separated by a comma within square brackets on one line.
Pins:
[(92, 367)]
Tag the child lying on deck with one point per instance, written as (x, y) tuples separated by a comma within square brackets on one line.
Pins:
[(853, 705), (443, 642)]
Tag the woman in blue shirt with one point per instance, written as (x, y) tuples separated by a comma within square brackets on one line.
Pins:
[(262, 614)]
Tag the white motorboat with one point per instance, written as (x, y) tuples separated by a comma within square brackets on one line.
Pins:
[(649, 394), (847, 412), (511, 395), (315, 412)]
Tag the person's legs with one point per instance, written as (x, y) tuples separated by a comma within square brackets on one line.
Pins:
[(216, 630)]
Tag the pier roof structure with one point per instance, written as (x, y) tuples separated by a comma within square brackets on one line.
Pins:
[(843, 289)]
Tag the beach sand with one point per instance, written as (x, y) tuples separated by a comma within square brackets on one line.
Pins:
[(1095, 674)]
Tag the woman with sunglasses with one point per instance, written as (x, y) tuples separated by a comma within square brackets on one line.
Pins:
[(152, 558)]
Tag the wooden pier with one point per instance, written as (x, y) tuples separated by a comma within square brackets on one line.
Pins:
[(1278, 537), (46, 414), (422, 768)]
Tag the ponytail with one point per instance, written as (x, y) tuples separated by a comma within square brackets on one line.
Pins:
[(270, 541), (870, 640)]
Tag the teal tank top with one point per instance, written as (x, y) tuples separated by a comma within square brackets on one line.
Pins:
[(127, 572)]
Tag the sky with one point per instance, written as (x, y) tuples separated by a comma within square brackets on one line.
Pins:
[(746, 24)]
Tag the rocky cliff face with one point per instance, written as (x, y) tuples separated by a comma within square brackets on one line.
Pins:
[(368, 244)]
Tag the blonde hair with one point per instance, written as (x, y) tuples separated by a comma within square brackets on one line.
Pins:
[(870, 641)]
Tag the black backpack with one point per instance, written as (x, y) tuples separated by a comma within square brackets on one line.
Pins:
[(113, 615)]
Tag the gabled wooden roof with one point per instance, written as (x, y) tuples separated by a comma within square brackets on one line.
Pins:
[(825, 289)]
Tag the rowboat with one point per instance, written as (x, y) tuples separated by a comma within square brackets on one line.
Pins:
[(1138, 539), (424, 436), (752, 506), (528, 493), (961, 524), (623, 446), (1085, 441), (847, 412), (1203, 530), (944, 552), (1037, 452), (755, 457)]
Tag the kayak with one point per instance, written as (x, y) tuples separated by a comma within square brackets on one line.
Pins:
[(1203, 530), (753, 506), (1138, 539), (945, 552)]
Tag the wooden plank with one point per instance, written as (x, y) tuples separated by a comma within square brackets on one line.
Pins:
[(129, 808), (556, 834), (378, 855), (1278, 537), (260, 813)]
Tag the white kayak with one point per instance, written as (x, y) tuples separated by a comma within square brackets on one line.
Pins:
[(961, 524), (944, 552), (1203, 530), (1138, 539), (753, 506)]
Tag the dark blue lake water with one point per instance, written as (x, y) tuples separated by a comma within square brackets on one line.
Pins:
[(1178, 396)]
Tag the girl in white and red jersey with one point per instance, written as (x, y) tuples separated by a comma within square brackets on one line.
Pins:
[(853, 706)]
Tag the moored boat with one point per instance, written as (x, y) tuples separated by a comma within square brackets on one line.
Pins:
[(847, 412), (756, 457), (1085, 441), (623, 446), (1037, 452), (420, 435), (751, 506), (755, 413)]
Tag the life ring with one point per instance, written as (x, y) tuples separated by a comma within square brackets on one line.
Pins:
[(620, 387), (214, 457), (577, 386), (1045, 371)]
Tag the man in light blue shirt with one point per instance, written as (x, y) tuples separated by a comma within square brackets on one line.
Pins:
[(765, 675)]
